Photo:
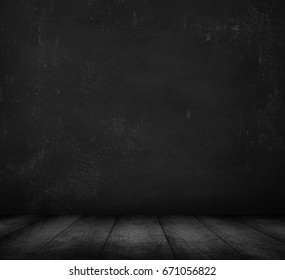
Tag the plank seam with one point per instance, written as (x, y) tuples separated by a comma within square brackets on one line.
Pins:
[(54, 237), (260, 231), (166, 237), (235, 249), (107, 238), (21, 228)]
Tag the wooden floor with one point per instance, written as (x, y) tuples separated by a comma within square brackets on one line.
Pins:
[(142, 237)]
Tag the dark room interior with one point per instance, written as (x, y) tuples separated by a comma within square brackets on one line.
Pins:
[(157, 126)]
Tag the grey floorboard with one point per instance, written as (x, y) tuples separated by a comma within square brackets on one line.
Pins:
[(272, 226), (192, 240), (251, 243), (23, 243), (82, 240), (11, 224), (137, 237)]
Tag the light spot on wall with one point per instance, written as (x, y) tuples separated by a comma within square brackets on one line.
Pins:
[(188, 114)]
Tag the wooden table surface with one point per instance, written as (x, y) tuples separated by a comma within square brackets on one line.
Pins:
[(142, 237)]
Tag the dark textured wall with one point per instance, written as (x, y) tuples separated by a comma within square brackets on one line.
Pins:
[(123, 106)]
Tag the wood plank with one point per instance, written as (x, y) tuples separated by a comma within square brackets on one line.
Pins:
[(137, 237), (192, 240), (248, 241), (274, 227), (11, 224), (82, 240), (23, 243)]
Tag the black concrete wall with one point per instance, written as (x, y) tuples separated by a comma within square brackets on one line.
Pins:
[(142, 106)]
